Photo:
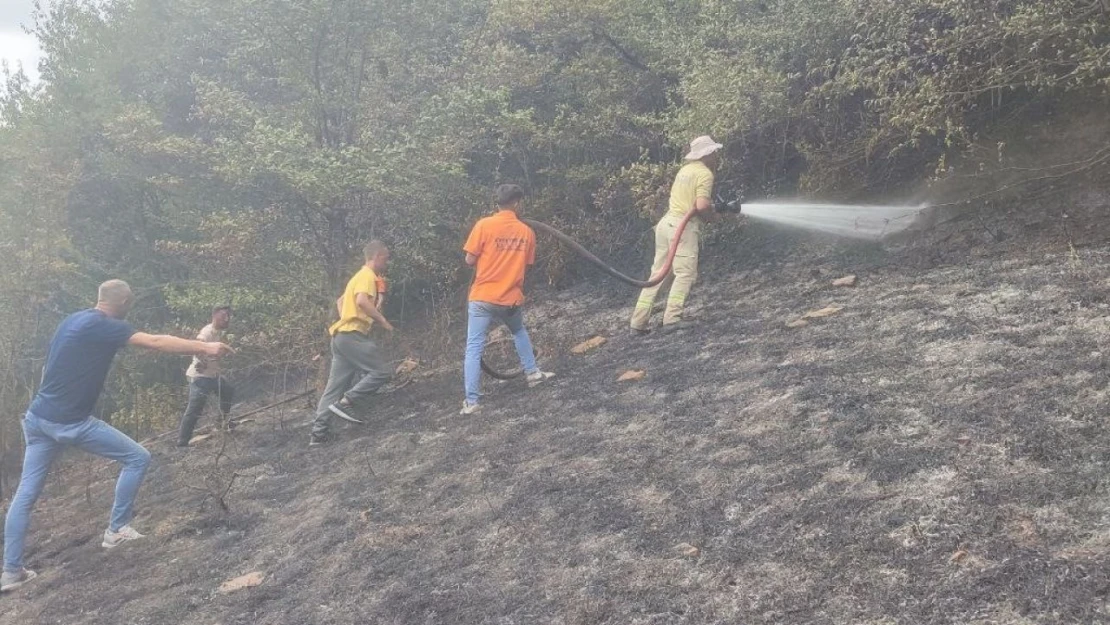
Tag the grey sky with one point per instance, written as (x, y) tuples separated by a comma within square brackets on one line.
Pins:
[(16, 46)]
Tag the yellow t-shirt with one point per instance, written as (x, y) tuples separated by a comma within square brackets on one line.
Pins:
[(352, 318), (694, 180)]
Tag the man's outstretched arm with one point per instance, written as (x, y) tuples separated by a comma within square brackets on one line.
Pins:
[(173, 345)]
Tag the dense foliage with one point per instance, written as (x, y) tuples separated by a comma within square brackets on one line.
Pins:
[(240, 150)]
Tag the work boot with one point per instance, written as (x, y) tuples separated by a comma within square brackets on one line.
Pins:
[(317, 439), (117, 538), (677, 326), (639, 332), (10, 580), (538, 377), (470, 408)]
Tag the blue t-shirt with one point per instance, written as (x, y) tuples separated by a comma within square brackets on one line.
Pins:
[(81, 353)]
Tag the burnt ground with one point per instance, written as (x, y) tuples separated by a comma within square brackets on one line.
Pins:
[(935, 453)]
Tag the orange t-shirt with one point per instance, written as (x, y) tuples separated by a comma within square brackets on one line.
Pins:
[(505, 246), (380, 285)]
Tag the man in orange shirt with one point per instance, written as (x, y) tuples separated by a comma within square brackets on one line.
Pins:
[(500, 248)]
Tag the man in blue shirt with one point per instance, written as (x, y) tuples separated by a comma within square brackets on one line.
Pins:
[(60, 416)]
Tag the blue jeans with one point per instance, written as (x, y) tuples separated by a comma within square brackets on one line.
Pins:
[(45, 439), (479, 317)]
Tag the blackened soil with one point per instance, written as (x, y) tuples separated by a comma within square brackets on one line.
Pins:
[(934, 453)]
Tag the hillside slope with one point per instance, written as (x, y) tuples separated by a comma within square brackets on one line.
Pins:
[(935, 452)]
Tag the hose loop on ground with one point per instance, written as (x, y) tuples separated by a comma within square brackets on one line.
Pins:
[(653, 280)]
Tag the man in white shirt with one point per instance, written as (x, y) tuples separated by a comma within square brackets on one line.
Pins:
[(205, 379)]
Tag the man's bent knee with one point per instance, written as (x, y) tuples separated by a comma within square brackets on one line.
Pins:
[(139, 458)]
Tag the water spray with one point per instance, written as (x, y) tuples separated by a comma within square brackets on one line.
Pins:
[(856, 221), (846, 220)]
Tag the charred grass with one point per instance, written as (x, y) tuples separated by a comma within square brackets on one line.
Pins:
[(935, 453)]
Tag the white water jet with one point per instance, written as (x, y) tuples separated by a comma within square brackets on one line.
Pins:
[(846, 220)]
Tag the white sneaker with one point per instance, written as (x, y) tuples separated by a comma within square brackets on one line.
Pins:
[(469, 408), (115, 539), (539, 377), (338, 408), (13, 580)]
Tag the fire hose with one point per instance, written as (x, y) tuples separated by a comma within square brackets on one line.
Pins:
[(653, 280)]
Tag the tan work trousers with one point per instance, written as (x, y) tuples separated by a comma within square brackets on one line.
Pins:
[(684, 271)]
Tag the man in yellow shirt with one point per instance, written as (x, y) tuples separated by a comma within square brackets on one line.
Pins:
[(358, 366), (692, 191)]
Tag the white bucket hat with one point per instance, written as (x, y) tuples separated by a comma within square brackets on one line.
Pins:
[(702, 147)]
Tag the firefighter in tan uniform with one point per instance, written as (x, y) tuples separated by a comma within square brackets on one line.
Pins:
[(692, 191)]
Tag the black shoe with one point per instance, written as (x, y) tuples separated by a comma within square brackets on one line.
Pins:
[(317, 440), (639, 331), (678, 326)]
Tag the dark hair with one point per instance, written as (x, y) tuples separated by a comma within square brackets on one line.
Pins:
[(217, 309), (507, 194)]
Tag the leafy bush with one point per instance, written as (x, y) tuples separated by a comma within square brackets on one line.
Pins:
[(239, 150)]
